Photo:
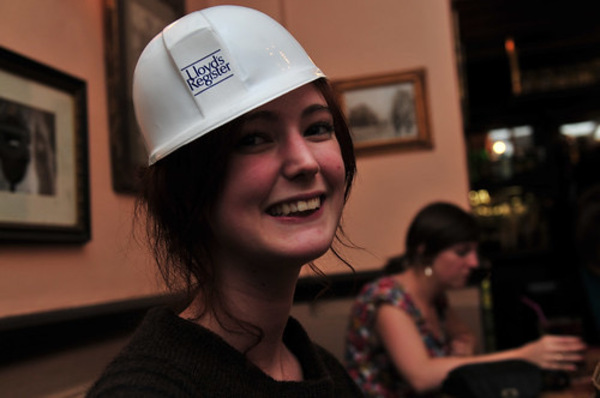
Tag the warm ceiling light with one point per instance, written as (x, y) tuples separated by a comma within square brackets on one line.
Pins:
[(499, 147)]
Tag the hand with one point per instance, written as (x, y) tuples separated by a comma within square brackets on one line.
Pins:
[(555, 352)]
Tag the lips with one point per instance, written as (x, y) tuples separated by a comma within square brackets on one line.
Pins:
[(295, 208)]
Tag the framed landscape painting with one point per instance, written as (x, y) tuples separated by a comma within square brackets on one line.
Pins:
[(386, 111)]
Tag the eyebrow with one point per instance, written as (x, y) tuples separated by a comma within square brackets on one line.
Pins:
[(315, 109), (268, 115)]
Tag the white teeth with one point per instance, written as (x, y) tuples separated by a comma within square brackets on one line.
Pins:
[(286, 209)]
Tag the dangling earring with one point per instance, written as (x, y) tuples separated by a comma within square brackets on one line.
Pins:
[(428, 271)]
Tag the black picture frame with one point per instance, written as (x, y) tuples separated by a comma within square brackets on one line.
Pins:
[(44, 182), (129, 26)]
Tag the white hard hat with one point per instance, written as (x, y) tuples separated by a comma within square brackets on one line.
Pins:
[(210, 67)]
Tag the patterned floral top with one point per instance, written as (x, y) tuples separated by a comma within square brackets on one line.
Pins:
[(365, 358)]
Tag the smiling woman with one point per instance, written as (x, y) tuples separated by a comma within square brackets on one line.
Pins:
[(250, 167), (284, 156)]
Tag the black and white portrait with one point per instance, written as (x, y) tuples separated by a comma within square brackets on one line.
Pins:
[(27, 149)]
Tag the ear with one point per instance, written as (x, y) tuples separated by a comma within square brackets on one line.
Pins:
[(422, 258), (419, 255)]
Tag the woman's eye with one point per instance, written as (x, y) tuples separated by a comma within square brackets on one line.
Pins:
[(322, 130), (463, 252), (464, 249), (251, 140)]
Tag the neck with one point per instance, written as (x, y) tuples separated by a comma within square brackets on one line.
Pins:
[(253, 315), (423, 288)]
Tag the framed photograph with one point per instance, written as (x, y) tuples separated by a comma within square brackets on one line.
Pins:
[(386, 112), (44, 185), (129, 26)]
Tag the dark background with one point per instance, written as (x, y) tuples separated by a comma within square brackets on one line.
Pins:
[(558, 50)]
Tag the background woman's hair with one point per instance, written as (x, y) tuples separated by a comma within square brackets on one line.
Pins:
[(436, 227)]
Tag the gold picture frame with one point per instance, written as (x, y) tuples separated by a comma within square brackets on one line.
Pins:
[(387, 111)]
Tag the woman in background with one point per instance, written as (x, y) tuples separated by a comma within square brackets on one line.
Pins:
[(404, 338), (251, 163)]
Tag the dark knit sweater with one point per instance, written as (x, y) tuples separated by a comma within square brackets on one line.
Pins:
[(171, 357)]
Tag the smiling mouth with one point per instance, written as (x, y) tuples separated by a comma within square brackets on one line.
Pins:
[(295, 208)]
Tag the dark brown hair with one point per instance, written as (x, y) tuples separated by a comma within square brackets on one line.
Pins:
[(435, 228)]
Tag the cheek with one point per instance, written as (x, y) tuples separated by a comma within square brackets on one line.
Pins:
[(445, 265), (246, 177), (332, 166), (239, 189)]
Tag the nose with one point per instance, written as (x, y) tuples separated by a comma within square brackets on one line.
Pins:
[(299, 160), (472, 259)]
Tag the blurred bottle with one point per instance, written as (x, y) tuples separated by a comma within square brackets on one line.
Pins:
[(487, 315)]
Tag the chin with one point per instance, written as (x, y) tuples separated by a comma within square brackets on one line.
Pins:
[(310, 255), (461, 284), (307, 252)]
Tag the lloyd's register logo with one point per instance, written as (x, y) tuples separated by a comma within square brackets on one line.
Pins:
[(207, 72)]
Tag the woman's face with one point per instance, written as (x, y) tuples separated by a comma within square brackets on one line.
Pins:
[(453, 265), (283, 193)]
